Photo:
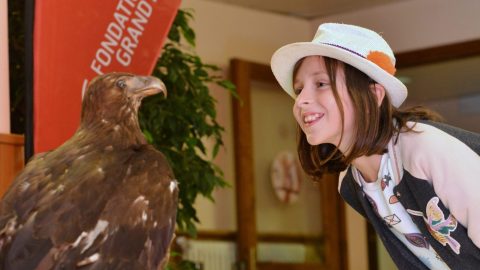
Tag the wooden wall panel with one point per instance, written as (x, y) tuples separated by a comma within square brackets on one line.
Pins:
[(11, 159)]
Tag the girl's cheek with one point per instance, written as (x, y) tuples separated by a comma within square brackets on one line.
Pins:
[(296, 113), (298, 121)]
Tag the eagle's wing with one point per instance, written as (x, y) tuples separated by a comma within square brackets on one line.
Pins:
[(20, 198), (137, 225), (41, 204), (33, 170), (114, 211)]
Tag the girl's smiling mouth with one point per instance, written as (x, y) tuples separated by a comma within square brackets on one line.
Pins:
[(311, 118)]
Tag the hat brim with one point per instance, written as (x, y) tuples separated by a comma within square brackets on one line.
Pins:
[(285, 58)]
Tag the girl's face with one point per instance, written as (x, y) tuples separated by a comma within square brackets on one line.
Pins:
[(315, 108)]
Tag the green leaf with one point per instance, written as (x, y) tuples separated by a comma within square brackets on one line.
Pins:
[(148, 136), (200, 72), (226, 84), (216, 148), (189, 35)]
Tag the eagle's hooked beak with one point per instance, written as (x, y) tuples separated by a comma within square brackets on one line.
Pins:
[(149, 85)]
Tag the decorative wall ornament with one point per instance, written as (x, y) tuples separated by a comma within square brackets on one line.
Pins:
[(286, 176)]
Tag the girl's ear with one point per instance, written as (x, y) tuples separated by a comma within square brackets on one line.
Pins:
[(379, 92)]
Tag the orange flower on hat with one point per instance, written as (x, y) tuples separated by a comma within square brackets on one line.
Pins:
[(382, 60)]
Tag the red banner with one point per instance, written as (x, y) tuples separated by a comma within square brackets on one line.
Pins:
[(75, 41)]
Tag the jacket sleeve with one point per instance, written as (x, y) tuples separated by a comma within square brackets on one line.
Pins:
[(451, 167)]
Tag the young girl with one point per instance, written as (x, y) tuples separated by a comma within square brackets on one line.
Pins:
[(416, 181)]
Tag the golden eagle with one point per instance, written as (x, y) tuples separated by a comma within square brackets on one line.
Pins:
[(105, 199)]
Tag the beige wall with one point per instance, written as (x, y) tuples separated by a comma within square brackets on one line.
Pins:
[(225, 31), (414, 24), (4, 88)]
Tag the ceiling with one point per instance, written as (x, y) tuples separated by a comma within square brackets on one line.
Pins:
[(307, 9)]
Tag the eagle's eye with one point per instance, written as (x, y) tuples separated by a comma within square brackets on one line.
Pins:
[(121, 84)]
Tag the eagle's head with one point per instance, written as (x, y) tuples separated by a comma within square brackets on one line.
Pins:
[(115, 97)]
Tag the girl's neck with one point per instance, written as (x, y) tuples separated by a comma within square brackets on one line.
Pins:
[(368, 166)]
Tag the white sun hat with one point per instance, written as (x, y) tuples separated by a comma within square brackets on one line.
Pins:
[(362, 48)]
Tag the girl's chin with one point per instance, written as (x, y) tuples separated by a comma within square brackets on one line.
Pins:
[(313, 141), (316, 140)]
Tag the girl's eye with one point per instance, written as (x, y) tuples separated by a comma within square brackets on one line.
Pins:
[(321, 84), (297, 91)]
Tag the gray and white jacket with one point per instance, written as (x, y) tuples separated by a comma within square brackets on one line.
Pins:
[(437, 177)]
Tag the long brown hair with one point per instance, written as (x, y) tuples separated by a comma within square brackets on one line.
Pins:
[(374, 125)]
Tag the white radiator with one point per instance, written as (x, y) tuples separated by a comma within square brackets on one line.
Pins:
[(209, 255)]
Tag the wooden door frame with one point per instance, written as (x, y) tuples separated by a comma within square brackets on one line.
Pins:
[(332, 207)]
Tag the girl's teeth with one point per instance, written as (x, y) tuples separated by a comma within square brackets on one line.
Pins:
[(310, 118)]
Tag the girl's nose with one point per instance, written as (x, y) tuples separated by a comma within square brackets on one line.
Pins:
[(304, 98)]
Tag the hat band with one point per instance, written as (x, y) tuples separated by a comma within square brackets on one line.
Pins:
[(343, 48), (377, 57)]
